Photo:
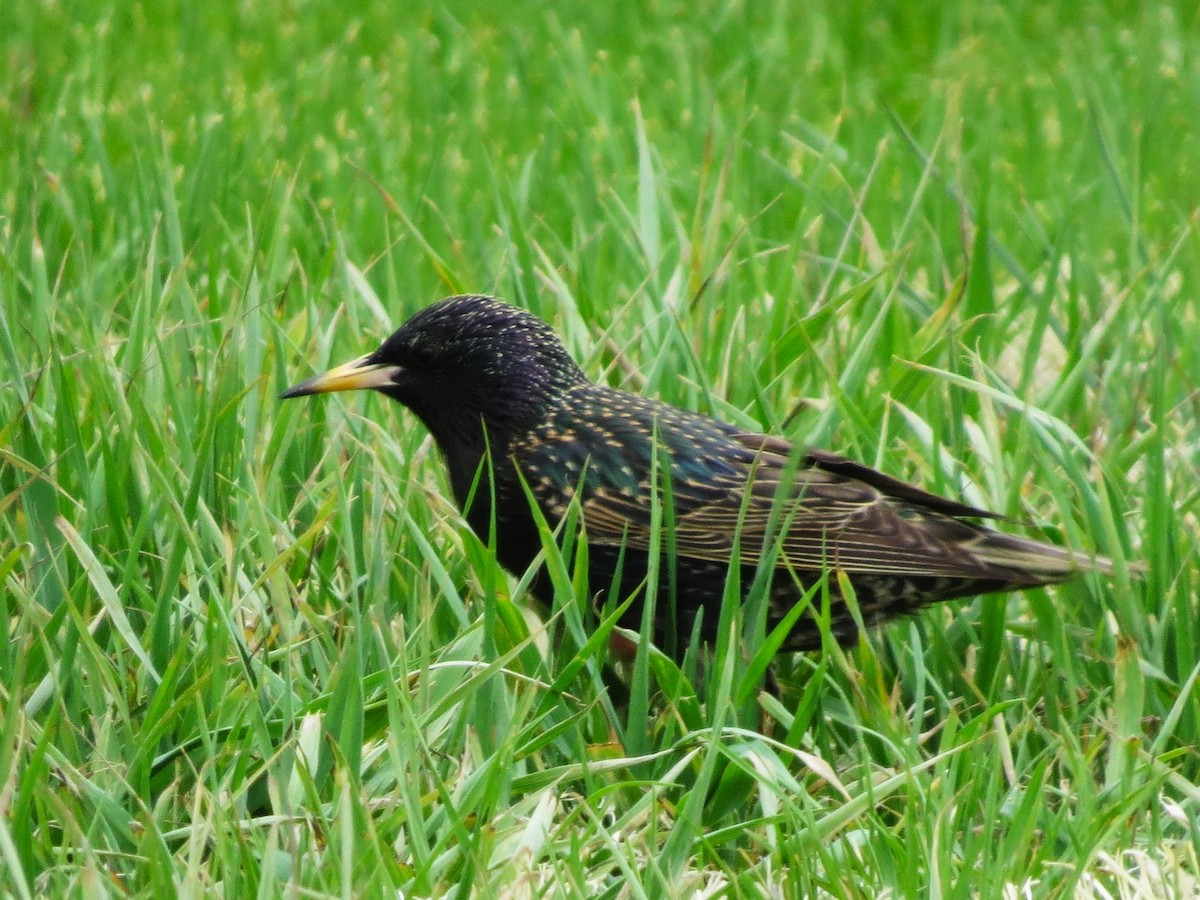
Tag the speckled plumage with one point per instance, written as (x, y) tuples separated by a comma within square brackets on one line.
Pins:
[(482, 374)]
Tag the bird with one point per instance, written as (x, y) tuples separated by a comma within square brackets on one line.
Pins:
[(505, 402)]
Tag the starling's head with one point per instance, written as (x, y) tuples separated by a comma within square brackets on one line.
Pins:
[(462, 361)]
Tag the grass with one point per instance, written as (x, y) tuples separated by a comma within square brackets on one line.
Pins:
[(252, 649)]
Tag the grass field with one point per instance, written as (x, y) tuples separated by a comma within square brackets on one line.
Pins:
[(251, 647)]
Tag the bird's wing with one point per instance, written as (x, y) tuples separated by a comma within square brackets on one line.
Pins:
[(830, 511)]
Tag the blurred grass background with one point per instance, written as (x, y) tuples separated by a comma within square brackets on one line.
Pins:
[(251, 648)]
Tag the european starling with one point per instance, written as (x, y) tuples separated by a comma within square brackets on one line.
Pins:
[(483, 375)]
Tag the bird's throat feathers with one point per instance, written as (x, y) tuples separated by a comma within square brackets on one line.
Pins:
[(476, 425)]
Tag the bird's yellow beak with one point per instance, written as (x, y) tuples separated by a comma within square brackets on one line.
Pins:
[(352, 376)]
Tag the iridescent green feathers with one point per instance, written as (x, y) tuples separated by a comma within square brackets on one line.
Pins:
[(834, 513)]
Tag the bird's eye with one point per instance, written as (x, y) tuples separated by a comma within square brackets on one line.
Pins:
[(419, 358)]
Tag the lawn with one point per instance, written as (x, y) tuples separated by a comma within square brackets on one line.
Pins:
[(252, 648)]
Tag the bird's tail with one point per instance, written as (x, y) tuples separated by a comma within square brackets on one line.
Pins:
[(1034, 562)]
